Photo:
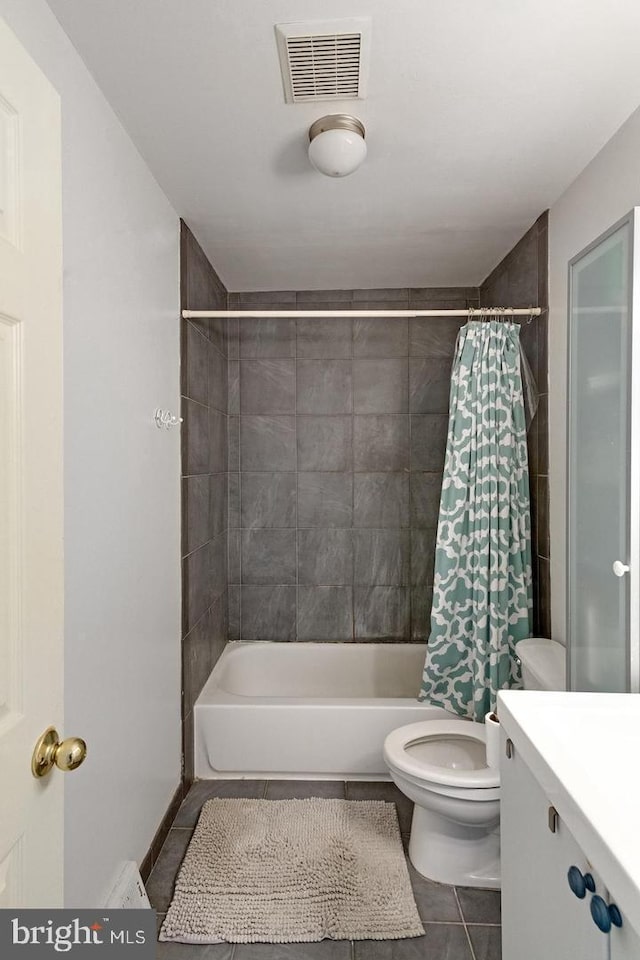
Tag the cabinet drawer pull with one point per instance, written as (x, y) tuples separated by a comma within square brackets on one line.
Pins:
[(600, 914), (605, 915), (581, 882), (508, 748), (614, 915), (553, 819)]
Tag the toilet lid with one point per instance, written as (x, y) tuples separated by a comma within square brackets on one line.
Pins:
[(449, 752)]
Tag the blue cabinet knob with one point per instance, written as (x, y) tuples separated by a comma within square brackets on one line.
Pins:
[(600, 914), (580, 882), (614, 915)]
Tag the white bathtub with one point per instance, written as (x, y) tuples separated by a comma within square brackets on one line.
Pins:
[(306, 710)]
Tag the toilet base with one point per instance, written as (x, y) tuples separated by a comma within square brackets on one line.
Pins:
[(449, 852)]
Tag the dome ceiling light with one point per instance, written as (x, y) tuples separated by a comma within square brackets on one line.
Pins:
[(336, 145)]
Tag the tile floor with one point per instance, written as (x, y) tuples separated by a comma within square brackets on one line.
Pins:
[(459, 923)]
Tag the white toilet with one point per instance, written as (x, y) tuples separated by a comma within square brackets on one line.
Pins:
[(442, 766)]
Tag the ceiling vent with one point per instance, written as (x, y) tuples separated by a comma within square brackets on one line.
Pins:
[(324, 60)]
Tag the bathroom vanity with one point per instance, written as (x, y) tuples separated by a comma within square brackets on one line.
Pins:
[(570, 782)]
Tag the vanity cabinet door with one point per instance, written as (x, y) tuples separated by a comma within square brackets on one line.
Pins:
[(541, 916), (625, 943)]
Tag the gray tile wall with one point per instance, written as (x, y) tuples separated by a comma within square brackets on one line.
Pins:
[(520, 280), (333, 433), (337, 432), (204, 390)]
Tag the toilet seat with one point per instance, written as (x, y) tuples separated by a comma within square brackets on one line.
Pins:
[(421, 769)]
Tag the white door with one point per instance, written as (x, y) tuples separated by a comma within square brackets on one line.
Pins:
[(603, 607), (31, 508)]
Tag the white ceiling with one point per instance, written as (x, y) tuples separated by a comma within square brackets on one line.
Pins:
[(478, 116)]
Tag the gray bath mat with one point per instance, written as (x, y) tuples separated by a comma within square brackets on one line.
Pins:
[(293, 871)]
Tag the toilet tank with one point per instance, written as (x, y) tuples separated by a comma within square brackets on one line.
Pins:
[(543, 664)]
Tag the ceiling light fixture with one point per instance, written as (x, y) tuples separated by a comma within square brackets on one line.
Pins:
[(336, 145)]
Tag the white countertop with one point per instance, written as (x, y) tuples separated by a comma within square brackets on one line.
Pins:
[(584, 750)]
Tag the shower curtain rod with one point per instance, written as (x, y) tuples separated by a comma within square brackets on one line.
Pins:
[(479, 312)]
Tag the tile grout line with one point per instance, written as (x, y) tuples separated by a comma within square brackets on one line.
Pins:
[(471, 950), (481, 923), (409, 322), (229, 532), (464, 923), (201, 617), (442, 923), (239, 535), (211, 539), (352, 338), (295, 440)]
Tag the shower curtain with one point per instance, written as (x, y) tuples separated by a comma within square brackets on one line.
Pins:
[(482, 596)]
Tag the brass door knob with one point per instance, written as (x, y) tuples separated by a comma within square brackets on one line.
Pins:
[(49, 752)]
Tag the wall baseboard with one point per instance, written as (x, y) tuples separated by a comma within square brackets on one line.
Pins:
[(151, 856)]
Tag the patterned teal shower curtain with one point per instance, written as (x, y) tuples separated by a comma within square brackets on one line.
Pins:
[(482, 596)]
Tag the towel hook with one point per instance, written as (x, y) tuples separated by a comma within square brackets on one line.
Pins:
[(164, 418)]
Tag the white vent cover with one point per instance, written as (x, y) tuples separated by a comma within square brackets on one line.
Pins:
[(128, 890), (324, 60)]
